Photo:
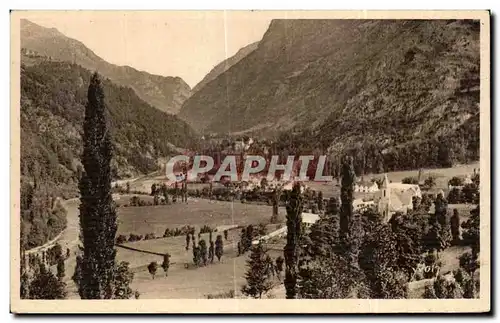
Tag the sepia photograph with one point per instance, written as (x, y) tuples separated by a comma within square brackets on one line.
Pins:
[(250, 161)]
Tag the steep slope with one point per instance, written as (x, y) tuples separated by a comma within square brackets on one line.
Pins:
[(164, 93), (225, 65), (53, 97), (385, 79)]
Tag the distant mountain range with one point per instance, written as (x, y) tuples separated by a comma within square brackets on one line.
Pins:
[(328, 84), (388, 80), (165, 93)]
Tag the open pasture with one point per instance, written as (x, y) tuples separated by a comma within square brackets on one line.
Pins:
[(197, 212)]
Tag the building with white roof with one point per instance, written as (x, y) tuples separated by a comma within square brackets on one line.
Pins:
[(366, 187)]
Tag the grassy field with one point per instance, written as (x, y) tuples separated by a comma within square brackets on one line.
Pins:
[(197, 212), (181, 282), (175, 246), (194, 283)]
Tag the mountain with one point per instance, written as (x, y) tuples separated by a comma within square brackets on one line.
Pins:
[(53, 98), (388, 80), (225, 65), (164, 93)]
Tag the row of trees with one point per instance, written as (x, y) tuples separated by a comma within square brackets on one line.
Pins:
[(164, 191), (184, 230), (396, 153), (203, 255)]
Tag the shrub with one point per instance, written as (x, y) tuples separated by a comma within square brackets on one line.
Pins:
[(409, 180), (166, 263), (206, 229), (262, 229), (121, 239), (134, 237), (152, 268), (456, 181), (150, 236), (430, 181), (455, 196), (223, 295)]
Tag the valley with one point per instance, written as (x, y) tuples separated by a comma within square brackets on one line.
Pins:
[(392, 104)]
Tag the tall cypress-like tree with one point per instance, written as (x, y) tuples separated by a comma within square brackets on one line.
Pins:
[(293, 223), (346, 194), (276, 202), (97, 210)]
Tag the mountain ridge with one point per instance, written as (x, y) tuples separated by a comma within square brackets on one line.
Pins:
[(225, 65), (167, 93), (340, 78)]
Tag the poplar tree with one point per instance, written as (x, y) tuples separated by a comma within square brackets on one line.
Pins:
[(346, 194), (293, 223), (166, 263), (455, 227), (60, 269), (97, 210), (275, 202), (219, 247)]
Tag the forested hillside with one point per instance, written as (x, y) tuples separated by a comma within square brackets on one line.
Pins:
[(53, 96), (390, 92), (385, 73)]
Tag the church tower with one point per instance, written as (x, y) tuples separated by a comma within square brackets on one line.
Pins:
[(384, 202)]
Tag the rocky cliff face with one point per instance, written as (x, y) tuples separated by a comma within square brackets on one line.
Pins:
[(225, 65), (345, 76)]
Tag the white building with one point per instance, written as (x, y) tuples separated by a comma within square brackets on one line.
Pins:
[(396, 197), (366, 187), (360, 203), (309, 218)]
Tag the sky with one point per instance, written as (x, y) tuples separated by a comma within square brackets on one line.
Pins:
[(187, 44)]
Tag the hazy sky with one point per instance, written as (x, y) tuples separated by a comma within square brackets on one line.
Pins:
[(184, 44)]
